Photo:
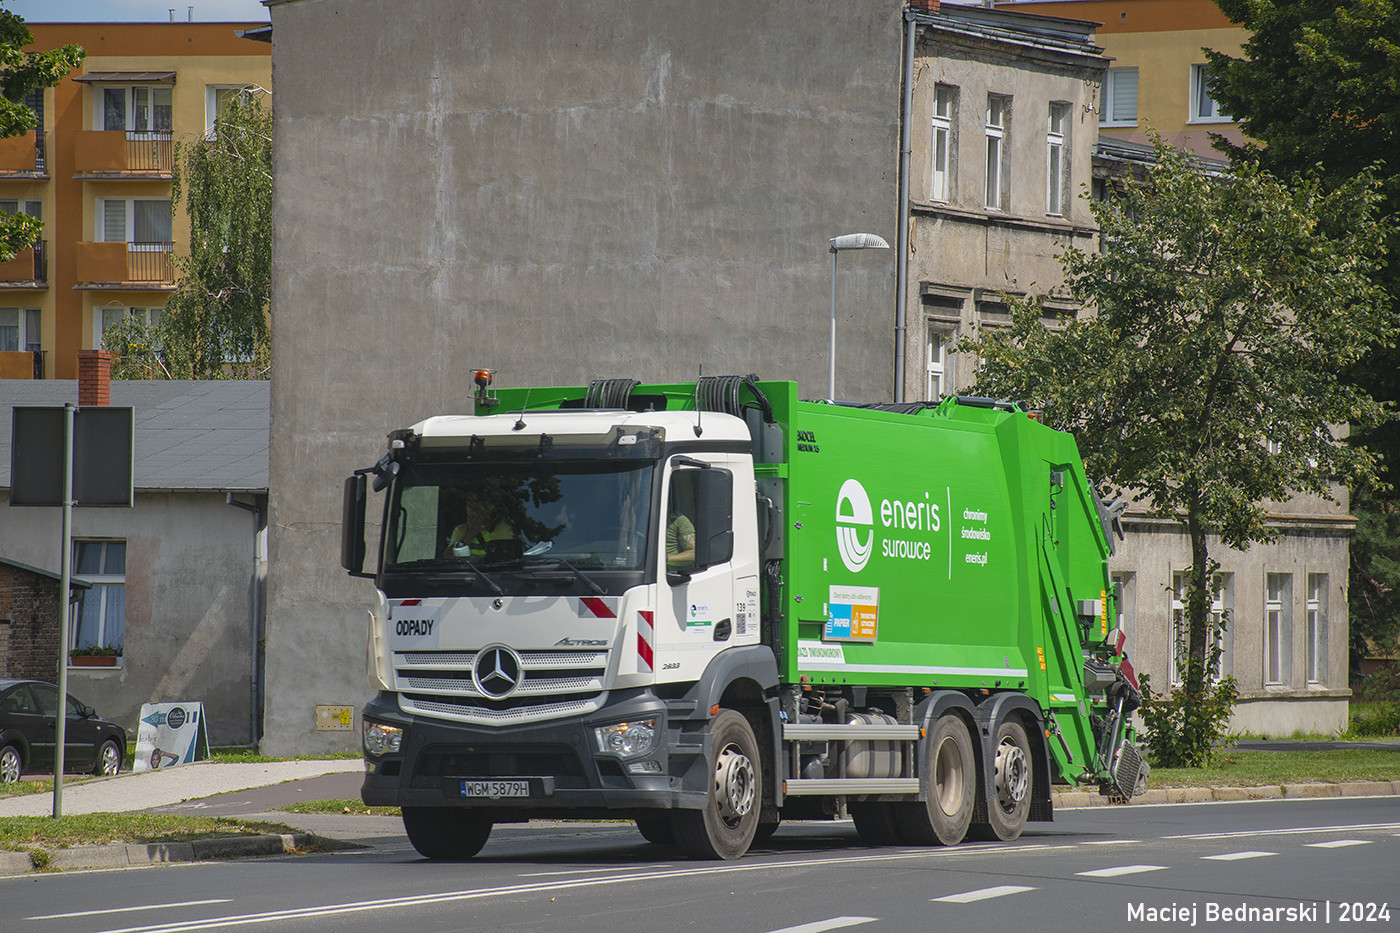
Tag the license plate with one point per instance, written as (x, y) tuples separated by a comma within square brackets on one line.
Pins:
[(494, 789)]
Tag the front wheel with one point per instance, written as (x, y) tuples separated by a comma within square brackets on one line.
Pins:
[(444, 833), (725, 828), (943, 818), (109, 759)]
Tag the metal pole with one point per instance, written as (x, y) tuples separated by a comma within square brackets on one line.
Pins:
[(831, 375), (65, 575)]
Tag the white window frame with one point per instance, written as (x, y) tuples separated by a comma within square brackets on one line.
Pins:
[(105, 584), (27, 324), (1115, 86), (1316, 614), (130, 94), (1125, 619), (942, 153), (105, 316), (1221, 602), (128, 223), (1204, 108), (211, 105), (936, 363), (998, 122), (1278, 628), (1057, 179), (33, 207)]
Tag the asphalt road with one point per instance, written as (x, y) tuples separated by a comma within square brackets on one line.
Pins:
[(1097, 869)]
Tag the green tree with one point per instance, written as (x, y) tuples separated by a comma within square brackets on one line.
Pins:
[(1318, 86), (20, 73), (1206, 371), (215, 325)]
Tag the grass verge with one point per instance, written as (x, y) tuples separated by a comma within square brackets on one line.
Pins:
[(346, 807), (19, 833), (1242, 768)]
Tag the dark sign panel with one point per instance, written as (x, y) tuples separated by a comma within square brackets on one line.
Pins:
[(103, 455)]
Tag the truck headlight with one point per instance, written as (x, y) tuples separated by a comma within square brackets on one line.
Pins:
[(381, 739), (627, 738)]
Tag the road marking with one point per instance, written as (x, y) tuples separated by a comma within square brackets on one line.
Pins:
[(820, 926), (127, 910), (580, 871), (983, 894), (1112, 842), (1236, 856), (1338, 843), (1302, 830), (1117, 870)]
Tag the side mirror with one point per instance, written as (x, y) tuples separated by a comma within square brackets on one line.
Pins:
[(714, 520), (352, 524)]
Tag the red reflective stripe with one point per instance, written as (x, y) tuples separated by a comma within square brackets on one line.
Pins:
[(644, 630), (599, 608), (411, 602)]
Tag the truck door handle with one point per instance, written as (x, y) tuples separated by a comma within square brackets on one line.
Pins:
[(722, 629)]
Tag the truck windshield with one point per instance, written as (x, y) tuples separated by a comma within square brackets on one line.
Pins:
[(575, 521)]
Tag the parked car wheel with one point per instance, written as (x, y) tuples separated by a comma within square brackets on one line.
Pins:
[(10, 764), (109, 759)]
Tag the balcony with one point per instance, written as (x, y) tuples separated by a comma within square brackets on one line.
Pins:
[(22, 156), (109, 154), (117, 266), (21, 364), (28, 271)]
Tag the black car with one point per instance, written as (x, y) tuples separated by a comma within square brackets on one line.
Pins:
[(28, 732)]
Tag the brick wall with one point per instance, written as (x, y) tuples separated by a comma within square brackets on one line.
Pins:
[(28, 624)]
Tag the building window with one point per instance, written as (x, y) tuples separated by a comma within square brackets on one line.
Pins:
[(1126, 618), (1204, 109), (142, 222), (215, 97), (114, 314), (19, 329), (1278, 627), (1057, 158), (1317, 628), (101, 614), (936, 366), (31, 206), (1221, 606), (998, 148), (945, 105), (139, 109), (1119, 106)]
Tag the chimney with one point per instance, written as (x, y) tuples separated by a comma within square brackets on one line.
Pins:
[(925, 6), (94, 378)]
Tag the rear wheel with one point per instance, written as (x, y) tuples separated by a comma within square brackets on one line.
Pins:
[(109, 758), (446, 833), (10, 764), (952, 788), (1011, 803), (725, 828), (657, 830)]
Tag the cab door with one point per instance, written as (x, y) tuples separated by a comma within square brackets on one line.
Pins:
[(697, 537)]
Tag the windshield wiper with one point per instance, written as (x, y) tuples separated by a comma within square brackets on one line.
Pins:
[(446, 564), (482, 574), (578, 575)]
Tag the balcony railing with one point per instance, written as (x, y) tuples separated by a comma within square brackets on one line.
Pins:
[(115, 152), (125, 264), (30, 267)]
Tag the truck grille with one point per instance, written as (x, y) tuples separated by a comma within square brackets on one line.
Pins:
[(553, 684)]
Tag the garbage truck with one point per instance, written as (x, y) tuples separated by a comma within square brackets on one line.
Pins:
[(712, 606)]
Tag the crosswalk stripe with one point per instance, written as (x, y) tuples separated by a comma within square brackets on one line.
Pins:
[(1117, 870), (1338, 843), (967, 897), (1236, 856)]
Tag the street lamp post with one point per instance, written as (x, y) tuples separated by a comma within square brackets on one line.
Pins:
[(846, 241)]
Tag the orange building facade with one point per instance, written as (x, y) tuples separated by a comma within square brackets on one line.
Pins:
[(97, 171)]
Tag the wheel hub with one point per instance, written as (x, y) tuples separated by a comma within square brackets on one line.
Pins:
[(735, 784), (1013, 775)]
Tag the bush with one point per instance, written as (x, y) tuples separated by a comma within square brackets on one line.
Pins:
[(1375, 719), (1183, 731)]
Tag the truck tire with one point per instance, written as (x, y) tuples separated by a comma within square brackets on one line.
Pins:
[(1012, 781), (657, 831), (446, 833), (943, 819), (725, 828), (877, 823)]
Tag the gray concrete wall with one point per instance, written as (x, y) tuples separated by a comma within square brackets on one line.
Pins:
[(559, 191), (189, 585)]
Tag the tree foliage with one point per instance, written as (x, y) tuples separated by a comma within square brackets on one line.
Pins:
[(215, 325), (20, 73), (1206, 371), (1318, 86)]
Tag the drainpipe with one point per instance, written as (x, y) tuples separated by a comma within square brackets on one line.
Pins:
[(901, 287), (257, 624)]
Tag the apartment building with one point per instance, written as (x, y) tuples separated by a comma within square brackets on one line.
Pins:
[(97, 171)]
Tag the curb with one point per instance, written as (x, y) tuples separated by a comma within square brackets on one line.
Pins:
[(127, 855), (1069, 798)]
